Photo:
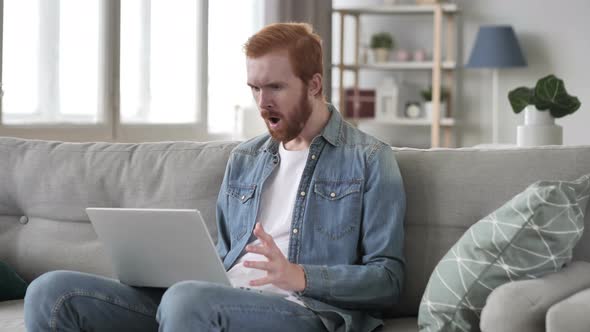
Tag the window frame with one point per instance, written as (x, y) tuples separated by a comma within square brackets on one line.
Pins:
[(110, 129)]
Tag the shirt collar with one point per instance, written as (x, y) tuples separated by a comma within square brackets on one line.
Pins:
[(331, 132)]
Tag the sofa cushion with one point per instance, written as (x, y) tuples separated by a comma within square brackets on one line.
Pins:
[(45, 187), (448, 190), (571, 314), (12, 316), (520, 307), (12, 286), (529, 236)]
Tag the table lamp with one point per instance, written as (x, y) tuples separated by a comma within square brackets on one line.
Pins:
[(495, 47)]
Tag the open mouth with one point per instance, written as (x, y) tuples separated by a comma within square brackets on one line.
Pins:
[(274, 120)]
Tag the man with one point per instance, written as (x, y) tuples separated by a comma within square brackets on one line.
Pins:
[(311, 213)]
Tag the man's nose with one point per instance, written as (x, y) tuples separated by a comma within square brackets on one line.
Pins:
[(264, 100)]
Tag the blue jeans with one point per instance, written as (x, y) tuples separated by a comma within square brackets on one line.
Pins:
[(73, 301)]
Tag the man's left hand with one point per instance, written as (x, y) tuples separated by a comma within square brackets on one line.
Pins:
[(279, 271)]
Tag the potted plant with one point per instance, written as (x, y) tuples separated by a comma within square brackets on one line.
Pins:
[(542, 104), (381, 44), (428, 106)]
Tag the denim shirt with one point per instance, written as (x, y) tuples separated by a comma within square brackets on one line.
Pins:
[(347, 228)]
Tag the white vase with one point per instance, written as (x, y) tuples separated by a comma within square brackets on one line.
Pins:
[(429, 109), (539, 129), (386, 103)]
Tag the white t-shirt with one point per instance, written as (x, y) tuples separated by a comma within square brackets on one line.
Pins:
[(275, 215)]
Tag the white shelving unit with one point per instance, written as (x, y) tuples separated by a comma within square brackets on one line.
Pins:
[(442, 69), (444, 122), (400, 9), (405, 65)]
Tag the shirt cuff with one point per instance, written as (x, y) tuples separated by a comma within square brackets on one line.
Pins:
[(316, 281)]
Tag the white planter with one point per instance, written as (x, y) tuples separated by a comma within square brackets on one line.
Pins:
[(381, 54), (539, 129), (429, 110)]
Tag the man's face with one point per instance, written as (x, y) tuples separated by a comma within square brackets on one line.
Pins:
[(281, 96)]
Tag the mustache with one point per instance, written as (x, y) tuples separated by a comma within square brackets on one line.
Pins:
[(266, 114)]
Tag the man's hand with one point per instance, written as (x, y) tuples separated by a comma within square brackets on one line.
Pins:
[(279, 271)]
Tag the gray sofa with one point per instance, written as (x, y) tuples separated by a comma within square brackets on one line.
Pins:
[(45, 186)]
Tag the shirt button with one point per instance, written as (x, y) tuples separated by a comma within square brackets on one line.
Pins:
[(243, 197), (302, 193), (313, 156), (295, 230), (333, 195)]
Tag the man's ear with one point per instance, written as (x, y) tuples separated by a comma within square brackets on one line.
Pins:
[(314, 88)]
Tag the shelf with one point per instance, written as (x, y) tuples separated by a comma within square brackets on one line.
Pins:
[(444, 17), (448, 8), (445, 122), (400, 65)]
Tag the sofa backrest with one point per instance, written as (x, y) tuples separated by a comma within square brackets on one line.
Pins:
[(447, 190), (47, 185)]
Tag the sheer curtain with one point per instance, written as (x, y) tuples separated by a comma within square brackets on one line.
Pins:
[(316, 12)]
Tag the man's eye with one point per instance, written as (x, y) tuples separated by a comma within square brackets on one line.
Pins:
[(275, 87), (255, 89)]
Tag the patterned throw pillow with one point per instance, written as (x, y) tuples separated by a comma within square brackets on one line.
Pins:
[(531, 235)]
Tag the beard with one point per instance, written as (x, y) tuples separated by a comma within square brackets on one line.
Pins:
[(289, 126)]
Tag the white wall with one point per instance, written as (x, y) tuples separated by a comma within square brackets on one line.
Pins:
[(553, 36)]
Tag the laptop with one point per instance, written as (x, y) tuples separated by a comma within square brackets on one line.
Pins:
[(158, 247)]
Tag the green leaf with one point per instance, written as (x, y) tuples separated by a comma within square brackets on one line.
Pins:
[(427, 93), (520, 98), (550, 94), (382, 40)]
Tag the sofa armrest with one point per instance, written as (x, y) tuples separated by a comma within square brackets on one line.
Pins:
[(571, 314), (522, 305)]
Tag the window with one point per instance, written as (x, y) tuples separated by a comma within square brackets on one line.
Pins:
[(229, 96), (159, 61), (125, 70), (50, 61), (132, 70)]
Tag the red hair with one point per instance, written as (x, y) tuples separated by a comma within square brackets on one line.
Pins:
[(302, 44)]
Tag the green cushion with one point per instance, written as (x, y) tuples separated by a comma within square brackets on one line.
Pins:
[(531, 235), (12, 287)]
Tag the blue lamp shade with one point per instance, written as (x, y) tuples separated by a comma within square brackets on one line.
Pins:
[(496, 46)]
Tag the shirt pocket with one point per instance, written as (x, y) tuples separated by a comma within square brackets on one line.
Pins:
[(243, 193), (337, 206), (241, 206)]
